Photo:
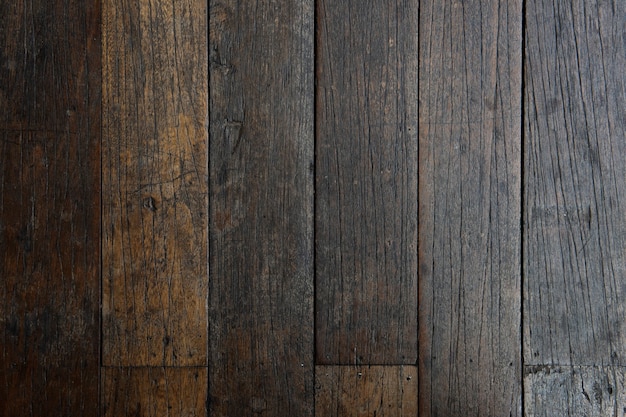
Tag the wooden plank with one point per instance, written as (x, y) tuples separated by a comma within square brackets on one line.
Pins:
[(470, 169), (155, 175), (574, 391), (261, 147), (352, 391), (154, 392), (366, 182), (49, 207), (575, 165), (50, 55)]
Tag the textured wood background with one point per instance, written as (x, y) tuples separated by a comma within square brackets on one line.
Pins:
[(312, 208)]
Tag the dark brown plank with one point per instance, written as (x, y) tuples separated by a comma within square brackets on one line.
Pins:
[(49, 207), (574, 391), (575, 193), (155, 197), (366, 182), (154, 392), (261, 147), (383, 391), (470, 169)]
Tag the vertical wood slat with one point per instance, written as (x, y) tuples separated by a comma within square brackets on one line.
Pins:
[(261, 159), (470, 169), (383, 391), (575, 193), (366, 182), (49, 207), (154, 392), (155, 197)]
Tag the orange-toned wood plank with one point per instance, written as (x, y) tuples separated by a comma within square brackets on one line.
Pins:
[(155, 193), (359, 391), (154, 392)]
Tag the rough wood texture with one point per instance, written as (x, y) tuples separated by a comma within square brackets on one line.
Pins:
[(575, 189), (155, 98), (574, 391), (366, 182), (261, 135), (49, 207), (154, 392), (470, 169), (363, 391)]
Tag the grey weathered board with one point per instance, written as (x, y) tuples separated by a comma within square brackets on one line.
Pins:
[(470, 173), (49, 207), (555, 391), (155, 181), (575, 183), (261, 228), (366, 182)]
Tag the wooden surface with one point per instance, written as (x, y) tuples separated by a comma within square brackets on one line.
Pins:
[(574, 391), (261, 258), (154, 392), (155, 212), (575, 189), (49, 207), (363, 391), (366, 182), (261, 230), (470, 173)]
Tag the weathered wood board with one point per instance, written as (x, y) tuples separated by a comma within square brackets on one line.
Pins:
[(470, 206), (155, 183), (366, 182), (359, 391), (575, 183), (49, 207), (261, 229)]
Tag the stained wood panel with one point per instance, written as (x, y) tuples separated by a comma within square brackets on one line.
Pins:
[(470, 172), (351, 391), (575, 192), (554, 391), (366, 182), (49, 207), (154, 392), (261, 147), (155, 103)]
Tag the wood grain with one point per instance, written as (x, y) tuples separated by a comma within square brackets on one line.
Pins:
[(155, 175), (261, 147), (575, 193), (49, 207), (366, 182), (470, 170), (154, 392), (360, 391), (554, 391)]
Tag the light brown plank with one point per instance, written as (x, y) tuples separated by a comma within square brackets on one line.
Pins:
[(575, 188), (154, 392), (351, 391), (155, 183), (366, 182), (554, 391), (470, 169), (49, 207), (261, 146)]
